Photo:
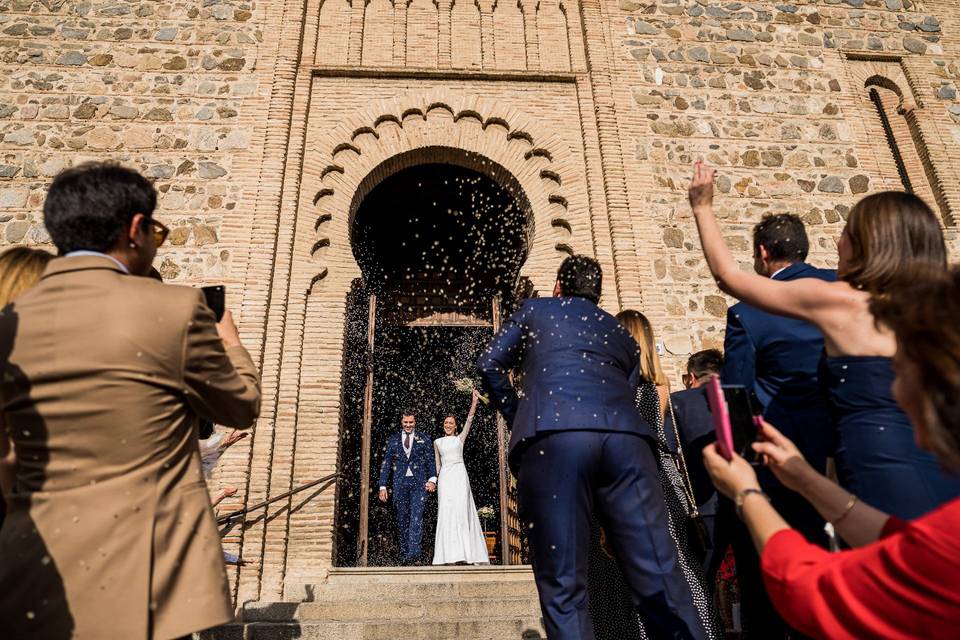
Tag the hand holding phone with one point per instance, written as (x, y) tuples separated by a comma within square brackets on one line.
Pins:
[(736, 419), (227, 330), (216, 295)]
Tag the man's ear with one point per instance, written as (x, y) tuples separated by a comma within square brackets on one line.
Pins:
[(557, 290), (764, 254), (136, 230)]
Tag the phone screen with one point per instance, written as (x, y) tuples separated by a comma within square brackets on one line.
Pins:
[(216, 299), (743, 425)]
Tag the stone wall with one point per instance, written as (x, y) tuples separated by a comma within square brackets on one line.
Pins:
[(773, 94), (231, 107)]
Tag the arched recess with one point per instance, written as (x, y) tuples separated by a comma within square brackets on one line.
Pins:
[(333, 32), (892, 108)]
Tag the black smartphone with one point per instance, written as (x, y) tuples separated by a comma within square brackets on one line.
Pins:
[(745, 411), (216, 296)]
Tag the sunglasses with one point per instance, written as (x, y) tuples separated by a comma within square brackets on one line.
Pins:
[(159, 231)]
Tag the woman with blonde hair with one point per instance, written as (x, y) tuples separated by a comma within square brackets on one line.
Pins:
[(653, 403), (20, 269), (886, 236)]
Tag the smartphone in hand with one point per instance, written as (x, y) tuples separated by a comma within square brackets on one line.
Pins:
[(736, 419), (216, 297)]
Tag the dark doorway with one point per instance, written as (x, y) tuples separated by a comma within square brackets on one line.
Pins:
[(437, 244)]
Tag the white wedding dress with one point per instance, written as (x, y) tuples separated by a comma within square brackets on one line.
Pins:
[(459, 536)]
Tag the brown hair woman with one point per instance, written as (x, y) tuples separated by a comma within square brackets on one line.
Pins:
[(886, 236), (900, 577)]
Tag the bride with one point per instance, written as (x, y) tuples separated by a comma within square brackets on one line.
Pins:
[(459, 537)]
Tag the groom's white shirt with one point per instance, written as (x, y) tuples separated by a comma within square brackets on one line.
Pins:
[(408, 451)]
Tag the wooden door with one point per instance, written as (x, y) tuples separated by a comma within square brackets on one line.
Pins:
[(510, 543), (365, 435)]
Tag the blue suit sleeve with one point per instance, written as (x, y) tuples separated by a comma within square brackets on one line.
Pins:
[(739, 353), (386, 466), (495, 364)]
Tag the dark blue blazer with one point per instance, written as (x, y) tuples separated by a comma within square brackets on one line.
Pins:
[(694, 425), (580, 370), (778, 358), (422, 461)]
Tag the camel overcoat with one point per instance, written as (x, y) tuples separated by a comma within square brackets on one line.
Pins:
[(109, 532)]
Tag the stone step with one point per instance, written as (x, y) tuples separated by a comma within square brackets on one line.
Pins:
[(432, 573), (408, 610), (398, 591), (490, 628)]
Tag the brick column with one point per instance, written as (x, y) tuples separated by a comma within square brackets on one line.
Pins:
[(486, 33), (529, 8), (357, 7), (443, 53)]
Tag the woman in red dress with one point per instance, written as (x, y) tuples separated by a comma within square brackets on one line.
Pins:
[(901, 579)]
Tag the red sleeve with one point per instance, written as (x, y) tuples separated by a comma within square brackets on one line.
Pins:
[(893, 525), (903, 585), (791, 568)]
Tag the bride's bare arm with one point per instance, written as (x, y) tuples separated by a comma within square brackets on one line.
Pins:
[(469, 421), (806, 298)]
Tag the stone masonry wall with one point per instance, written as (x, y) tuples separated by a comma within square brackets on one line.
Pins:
[(213, 99), (179, 90), (772, 93)]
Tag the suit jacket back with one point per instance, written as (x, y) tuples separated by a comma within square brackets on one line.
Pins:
[(103, 377), (580, 370), (778, 358)]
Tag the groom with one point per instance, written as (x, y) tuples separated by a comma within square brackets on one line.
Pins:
[(410, 459), (579, 447)]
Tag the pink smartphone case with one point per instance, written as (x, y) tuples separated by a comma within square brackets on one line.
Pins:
[(721, 418)]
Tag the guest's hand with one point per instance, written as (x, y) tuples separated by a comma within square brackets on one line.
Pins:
[(383, 495), (234, 437), (431, 487), (228, 330), (729, 477), (784, 459), (701, 187)]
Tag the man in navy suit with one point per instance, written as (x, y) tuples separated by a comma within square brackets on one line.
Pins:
[(579, 447), (694, 426), (410, 460), (778, 358)]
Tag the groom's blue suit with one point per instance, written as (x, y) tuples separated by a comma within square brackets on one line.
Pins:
[(579, 447), (409, 491)]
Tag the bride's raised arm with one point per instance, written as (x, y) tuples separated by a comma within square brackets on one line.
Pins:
[(469, 421), (804, 298)]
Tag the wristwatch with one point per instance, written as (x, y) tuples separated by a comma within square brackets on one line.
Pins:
[(742, 495)]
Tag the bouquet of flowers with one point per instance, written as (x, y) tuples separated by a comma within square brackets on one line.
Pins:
[(467, 385), (486, 515)]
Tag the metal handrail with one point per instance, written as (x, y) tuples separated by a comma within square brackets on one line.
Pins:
[(330, 479)]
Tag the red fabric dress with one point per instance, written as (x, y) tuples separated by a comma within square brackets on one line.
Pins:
[(905, 585)]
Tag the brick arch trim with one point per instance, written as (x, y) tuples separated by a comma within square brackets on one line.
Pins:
[(521, 153), (444, 155)]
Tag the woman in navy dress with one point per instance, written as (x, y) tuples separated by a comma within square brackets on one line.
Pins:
[(886, 235)]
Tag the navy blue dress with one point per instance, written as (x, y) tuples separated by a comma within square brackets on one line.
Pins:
[(877, 458)]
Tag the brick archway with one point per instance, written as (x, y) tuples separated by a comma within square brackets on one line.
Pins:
[(523, 155)]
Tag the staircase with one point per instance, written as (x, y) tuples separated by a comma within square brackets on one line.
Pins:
[(403, 603)]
